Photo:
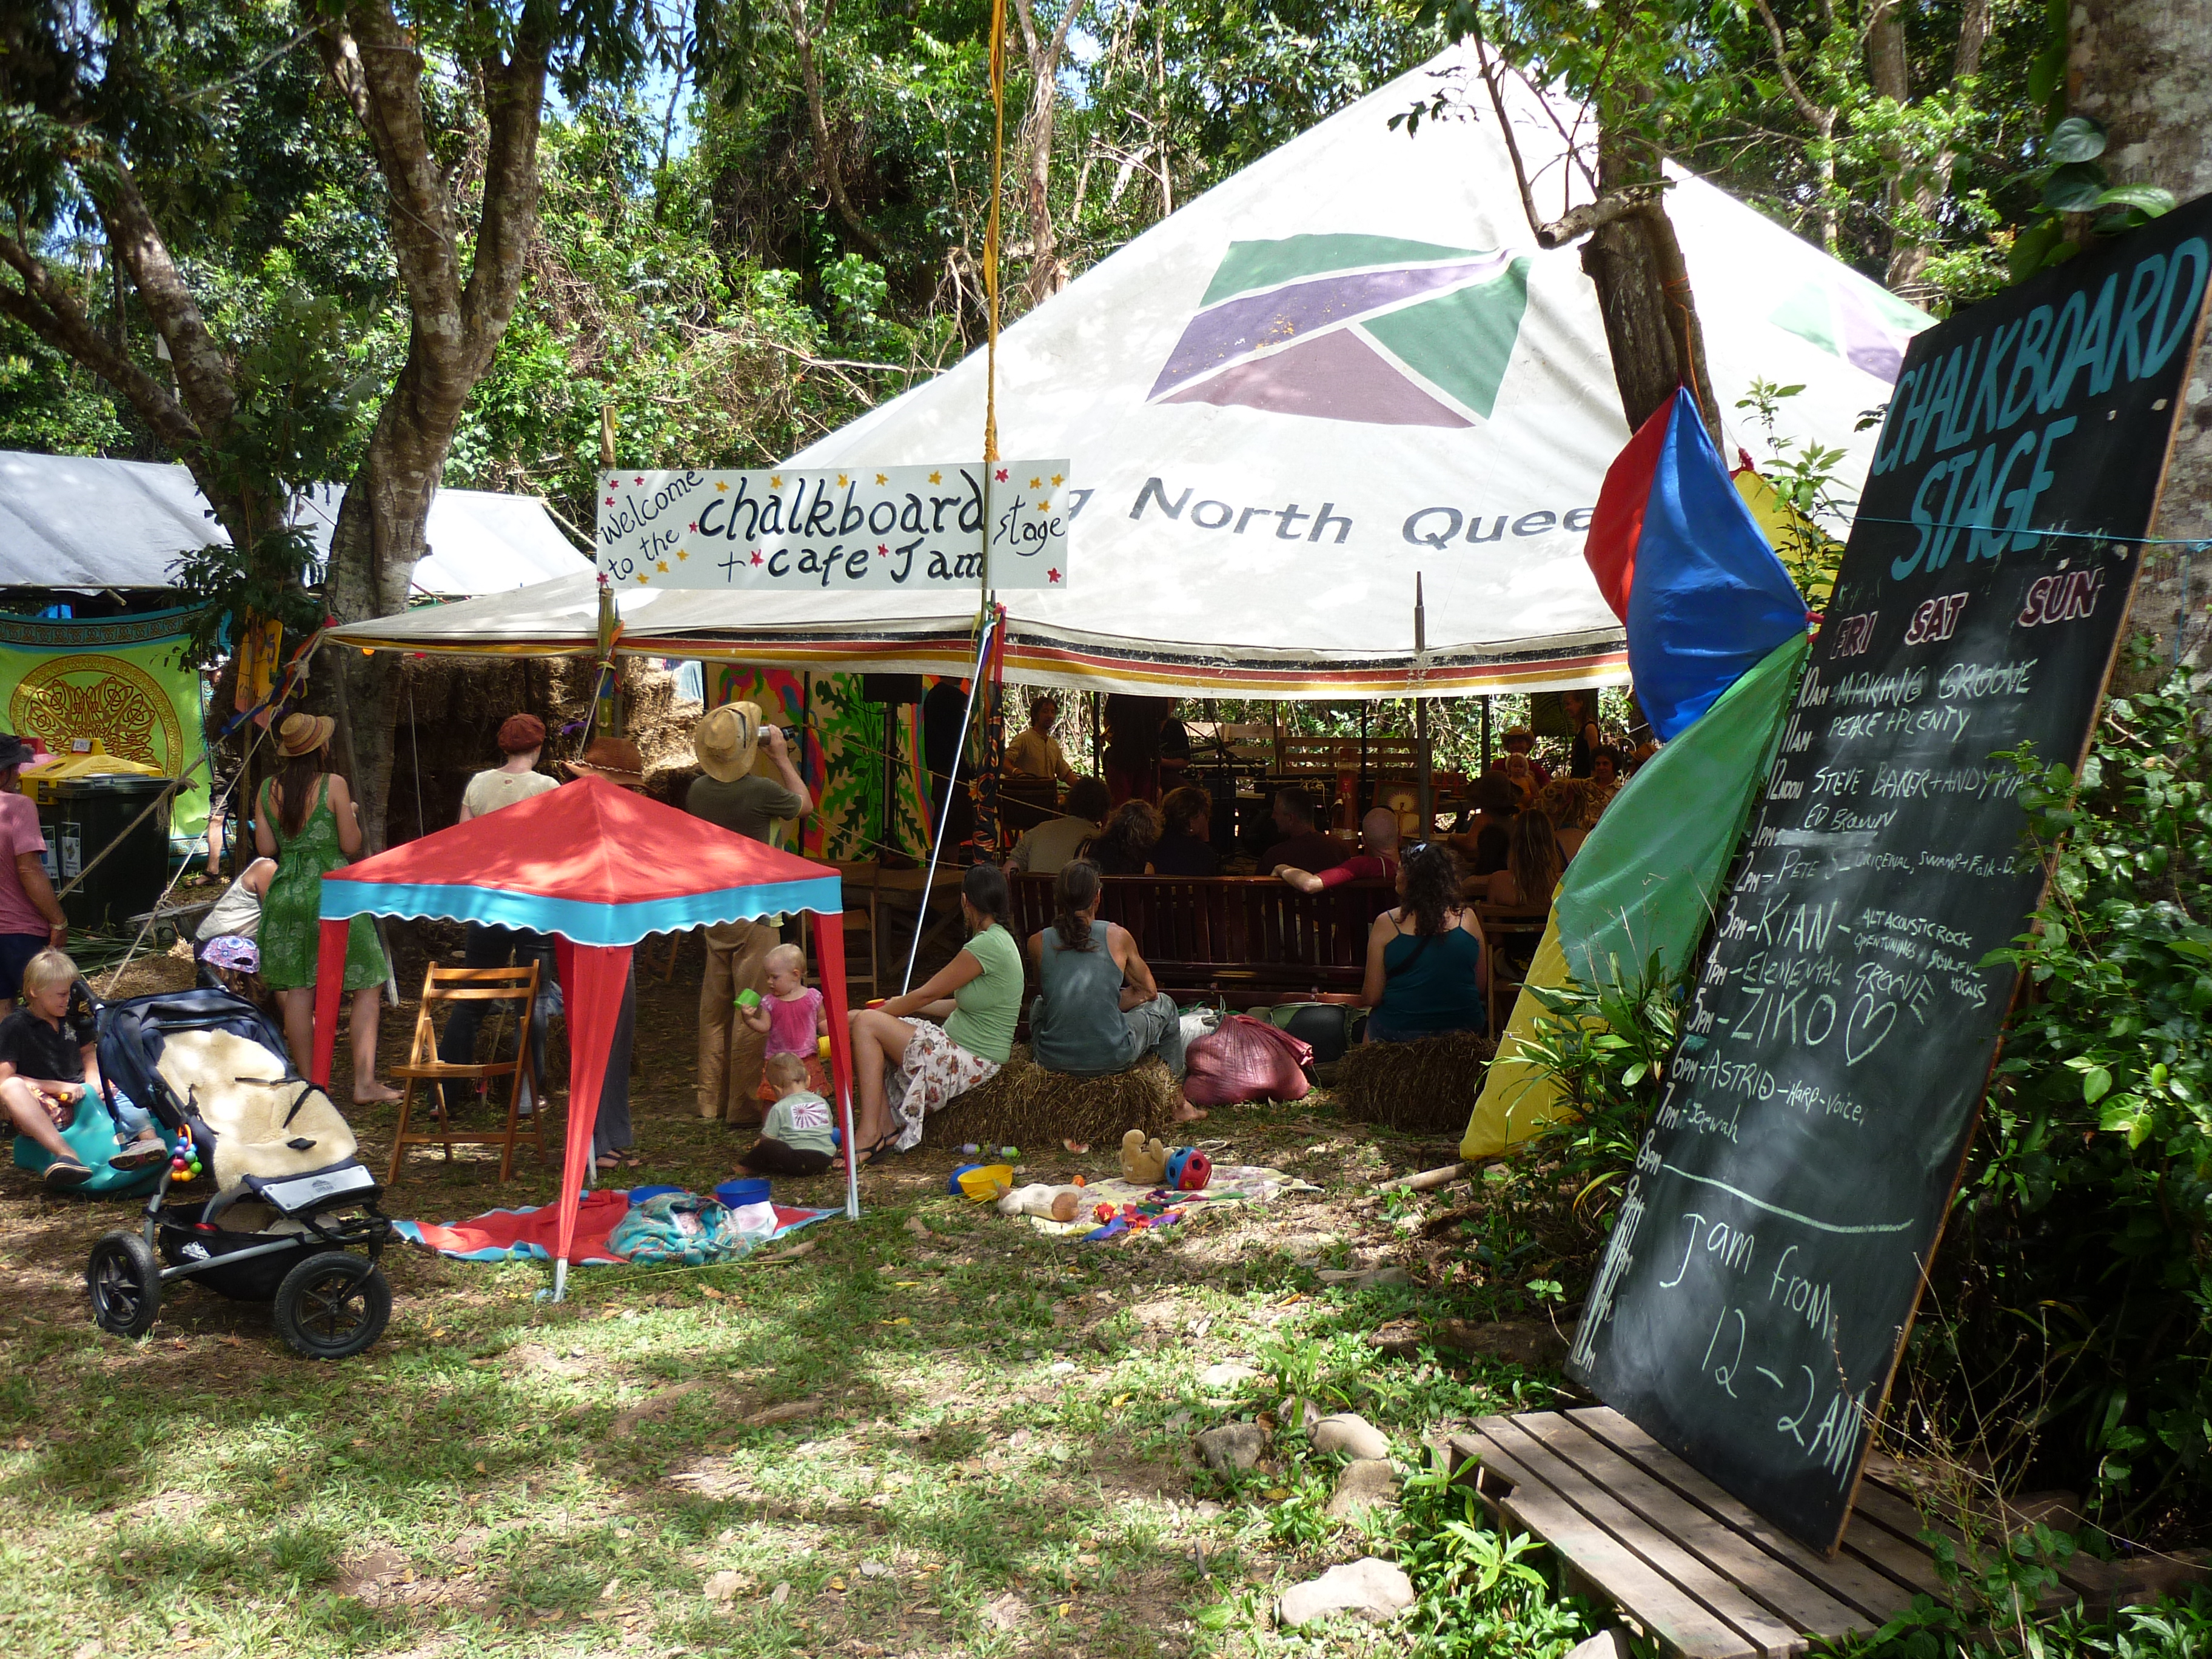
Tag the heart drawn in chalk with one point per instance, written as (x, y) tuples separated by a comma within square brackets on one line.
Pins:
[(1864, 1030)]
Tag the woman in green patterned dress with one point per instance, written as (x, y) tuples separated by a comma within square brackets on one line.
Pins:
[(305, 821)]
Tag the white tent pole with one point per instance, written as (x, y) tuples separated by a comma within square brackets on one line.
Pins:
[(944, 816), (560, 1277)]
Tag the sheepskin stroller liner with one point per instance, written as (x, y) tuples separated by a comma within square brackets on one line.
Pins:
[(293, 1220)]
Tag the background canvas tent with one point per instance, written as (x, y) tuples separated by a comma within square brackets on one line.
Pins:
[(1346, 364), (598, 868), (74, 522)]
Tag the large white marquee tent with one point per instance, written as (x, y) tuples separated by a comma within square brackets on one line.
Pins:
[(1346, 365)]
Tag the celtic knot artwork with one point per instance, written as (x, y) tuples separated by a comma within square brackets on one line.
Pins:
[(98, 696)]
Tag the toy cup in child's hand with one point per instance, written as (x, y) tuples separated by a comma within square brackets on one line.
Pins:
[(822, 1046), (748, 999)]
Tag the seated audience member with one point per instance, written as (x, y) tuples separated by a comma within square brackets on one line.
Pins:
[(1520, 772), (1035, 752), (1042, 850), (1521, 741), (1296, 842), (1533, 864), (1604, 779), (1566, 802), (237, 914), (1378, 861), (904, 1063), (795, 1137), (1481, 837), (1427, 971), (1124, 846), (1186, 845), (1099, 1012)]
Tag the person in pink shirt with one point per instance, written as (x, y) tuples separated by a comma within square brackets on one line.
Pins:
[(791, 1017), (30, 919), (1376, 861)]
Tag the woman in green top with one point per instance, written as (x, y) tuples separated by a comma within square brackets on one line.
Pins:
[(305, 821), (905, 1064)]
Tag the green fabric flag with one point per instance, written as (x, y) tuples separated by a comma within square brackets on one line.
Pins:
[(1647, 877)]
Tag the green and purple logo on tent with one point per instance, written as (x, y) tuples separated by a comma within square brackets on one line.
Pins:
[(1371, 329)]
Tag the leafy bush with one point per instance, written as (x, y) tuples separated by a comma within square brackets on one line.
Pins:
[(2080, 1256), (1547, 1215), (1478, 1592)]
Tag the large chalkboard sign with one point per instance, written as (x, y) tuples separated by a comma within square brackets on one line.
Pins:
[(1768, 1259)]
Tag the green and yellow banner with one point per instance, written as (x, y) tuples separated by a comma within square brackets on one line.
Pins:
[(123, 680)]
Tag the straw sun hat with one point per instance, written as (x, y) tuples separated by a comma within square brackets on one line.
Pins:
[(725, 739), (303, 734)]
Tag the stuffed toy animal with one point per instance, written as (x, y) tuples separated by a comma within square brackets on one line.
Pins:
[(1143, 1162)]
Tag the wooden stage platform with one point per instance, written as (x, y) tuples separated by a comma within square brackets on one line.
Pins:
[(1693, 1567)]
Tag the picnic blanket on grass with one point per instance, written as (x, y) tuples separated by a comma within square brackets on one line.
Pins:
[(1138, 1209), (528, 1234)]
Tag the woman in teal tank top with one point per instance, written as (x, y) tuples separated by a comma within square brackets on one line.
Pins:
[(1428, 972), (905, 1064), (1099, 1012)]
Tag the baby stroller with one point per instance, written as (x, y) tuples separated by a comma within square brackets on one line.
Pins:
[(294, 1219)]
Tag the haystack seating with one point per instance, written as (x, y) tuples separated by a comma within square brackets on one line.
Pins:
[(1021, 1104), (1427, 1086), (1240, 934)]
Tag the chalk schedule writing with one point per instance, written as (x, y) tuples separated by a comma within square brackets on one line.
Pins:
[(1768, 1258)]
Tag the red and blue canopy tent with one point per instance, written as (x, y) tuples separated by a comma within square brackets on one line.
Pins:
[(598, 868)]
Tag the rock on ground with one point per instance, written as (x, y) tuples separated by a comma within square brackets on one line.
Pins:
[(1606, 1644), (1226, 1374), (1374, 1589), (1369, 1484), (1232, 1448), (1351, 1434), (1522, 1342)]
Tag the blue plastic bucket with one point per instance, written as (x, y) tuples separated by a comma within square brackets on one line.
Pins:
[(732, 1194)]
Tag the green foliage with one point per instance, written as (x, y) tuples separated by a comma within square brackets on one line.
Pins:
[(1804, 476), (2089, 1212), (1547, 1214), (2076, 188), (1479, 1593)]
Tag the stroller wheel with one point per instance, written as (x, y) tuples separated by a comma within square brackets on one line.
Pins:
[(333, 1304), (124, 1282)]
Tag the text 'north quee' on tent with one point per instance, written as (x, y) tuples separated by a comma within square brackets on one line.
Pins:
[(598, 868), (1346, 365)]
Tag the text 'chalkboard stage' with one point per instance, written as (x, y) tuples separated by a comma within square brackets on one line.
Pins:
[(1768, 1260)]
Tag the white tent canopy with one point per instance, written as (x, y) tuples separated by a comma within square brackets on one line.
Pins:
[(71, 521), (1344, 365)]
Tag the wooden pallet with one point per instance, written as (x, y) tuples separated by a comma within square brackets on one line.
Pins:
[(1638, 1527)]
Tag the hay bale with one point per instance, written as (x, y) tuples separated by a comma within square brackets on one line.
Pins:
[(1428, 1086), (1025, 1105)]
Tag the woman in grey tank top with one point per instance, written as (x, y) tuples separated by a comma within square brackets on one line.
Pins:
[(1100, 1012)]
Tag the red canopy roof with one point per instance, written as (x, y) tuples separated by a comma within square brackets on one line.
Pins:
[(590, 861)]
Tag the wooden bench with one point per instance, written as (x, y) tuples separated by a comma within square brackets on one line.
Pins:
[(1694, 1567), (1245, 934)]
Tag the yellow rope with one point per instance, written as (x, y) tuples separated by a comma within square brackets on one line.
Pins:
[(991, 231)]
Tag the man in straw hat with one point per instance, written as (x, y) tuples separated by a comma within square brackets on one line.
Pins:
[(729, 793)]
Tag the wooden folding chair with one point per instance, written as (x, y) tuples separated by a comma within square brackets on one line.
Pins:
[(518, 984), (1512, 933)]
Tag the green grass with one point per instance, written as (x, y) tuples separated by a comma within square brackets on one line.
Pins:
[(997, 1455)]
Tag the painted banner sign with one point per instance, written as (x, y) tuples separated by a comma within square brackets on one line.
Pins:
[(838, 528), (1774, 1238)]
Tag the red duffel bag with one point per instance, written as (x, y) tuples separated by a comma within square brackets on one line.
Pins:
[(1246, 1058)]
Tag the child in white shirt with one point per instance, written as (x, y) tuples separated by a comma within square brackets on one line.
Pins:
[(795, 1140)]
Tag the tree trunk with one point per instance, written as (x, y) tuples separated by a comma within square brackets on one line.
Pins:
[(1047, 272), (1643, 296), (457, 320), (1909, 256), (2141, 69), (805, 33)]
